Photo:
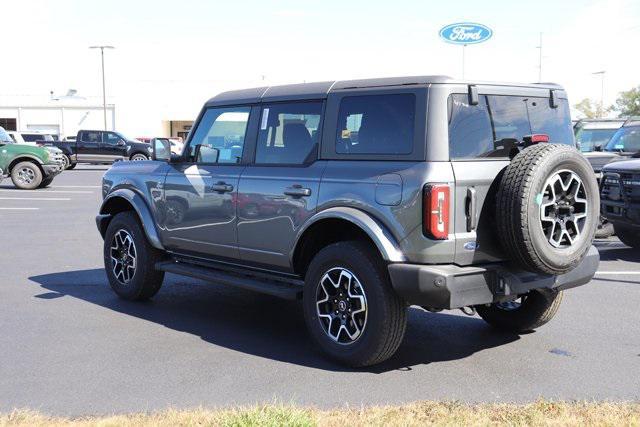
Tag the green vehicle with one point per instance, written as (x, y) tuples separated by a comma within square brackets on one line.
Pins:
[(29, 167)]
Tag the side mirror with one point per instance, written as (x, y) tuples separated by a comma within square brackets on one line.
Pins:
[(198, 153), (161, 150), (121, 143), (597, 147)]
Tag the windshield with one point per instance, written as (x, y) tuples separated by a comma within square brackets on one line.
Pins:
[(33, 137), (626, 139), (590, 138), (4, 136)]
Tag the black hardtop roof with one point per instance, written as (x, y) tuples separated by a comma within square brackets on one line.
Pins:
[(319, 90)]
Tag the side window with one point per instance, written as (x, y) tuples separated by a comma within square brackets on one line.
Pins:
[(111, 138), (91, 136), (288, 133), (219, 137), (376, 124), (470, 133)]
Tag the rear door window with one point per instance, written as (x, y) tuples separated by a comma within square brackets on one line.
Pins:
[(93, 137), (376, 124), (288, 133)]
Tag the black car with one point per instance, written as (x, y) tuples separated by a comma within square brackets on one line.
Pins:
[(99, 146), (620, 199)]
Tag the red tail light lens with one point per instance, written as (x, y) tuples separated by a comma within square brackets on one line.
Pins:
[(435, 211)]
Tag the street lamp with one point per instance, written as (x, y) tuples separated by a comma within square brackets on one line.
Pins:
[(601, 74), (104, 92)]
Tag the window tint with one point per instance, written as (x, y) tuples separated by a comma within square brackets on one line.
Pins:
[(220, 134), (590, 138), (111, 138), (90, 136), (495, 126), (288, 133), (376, 124), (32, 137)]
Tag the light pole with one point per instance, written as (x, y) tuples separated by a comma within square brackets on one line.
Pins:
[(601, 73), (104, 91), (540, 60)]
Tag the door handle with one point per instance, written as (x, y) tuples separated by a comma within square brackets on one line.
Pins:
[(222, 187), (472, 215), (297, 191)]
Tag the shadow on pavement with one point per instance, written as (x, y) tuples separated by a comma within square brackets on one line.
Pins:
[(268, 327), (618, 253)]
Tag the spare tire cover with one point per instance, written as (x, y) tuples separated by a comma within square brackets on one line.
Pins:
[(548, 205)]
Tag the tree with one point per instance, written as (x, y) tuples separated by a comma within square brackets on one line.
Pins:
[(628, 103), (591, 109)]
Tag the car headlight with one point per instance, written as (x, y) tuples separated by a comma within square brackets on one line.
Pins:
[(150, 149)]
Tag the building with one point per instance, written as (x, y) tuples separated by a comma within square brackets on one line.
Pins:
[(62, 116)]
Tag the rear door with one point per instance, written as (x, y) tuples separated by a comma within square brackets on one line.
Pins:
[(481, 139), (88, 146), (279, 190)]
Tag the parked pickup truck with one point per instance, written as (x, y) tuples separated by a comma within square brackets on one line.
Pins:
[(99, 146), (29, 167)]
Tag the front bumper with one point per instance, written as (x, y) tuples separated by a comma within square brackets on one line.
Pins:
[(52, 169), (451, 286)]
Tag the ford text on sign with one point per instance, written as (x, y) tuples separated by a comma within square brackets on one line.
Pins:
[(465, 33)]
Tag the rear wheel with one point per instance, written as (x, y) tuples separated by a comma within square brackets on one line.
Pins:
[(350, 308), (524, 314), (130, 260), (26, 175), (605, 229)]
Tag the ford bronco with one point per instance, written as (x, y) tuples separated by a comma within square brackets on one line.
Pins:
[(361, 198)]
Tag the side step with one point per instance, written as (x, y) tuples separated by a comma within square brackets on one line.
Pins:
[(276, 288)]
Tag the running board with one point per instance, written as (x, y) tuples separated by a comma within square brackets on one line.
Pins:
[(280, 289)]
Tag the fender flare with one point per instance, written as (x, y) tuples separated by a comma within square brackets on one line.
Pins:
[(140, 207), (23, 157), (377, 232)]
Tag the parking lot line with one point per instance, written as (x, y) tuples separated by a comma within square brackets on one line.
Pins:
[(617, 272), (76, 186), (50, 191), (59, 199), (19, 209)]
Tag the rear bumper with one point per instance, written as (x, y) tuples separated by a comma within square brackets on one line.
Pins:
[(451, 286)]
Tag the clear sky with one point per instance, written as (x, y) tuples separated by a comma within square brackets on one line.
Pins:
[(176, 54)]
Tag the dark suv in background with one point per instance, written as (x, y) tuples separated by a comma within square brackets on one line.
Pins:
[(361, 198)]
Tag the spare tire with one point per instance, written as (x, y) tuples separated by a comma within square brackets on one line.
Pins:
[(547, 208)]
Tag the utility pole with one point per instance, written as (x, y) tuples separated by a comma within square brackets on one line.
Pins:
[(464, 48), (104, 90), (601, 74), (539, 47)]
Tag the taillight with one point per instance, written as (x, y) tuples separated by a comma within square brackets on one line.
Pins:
[(435, 211), (536, 138)]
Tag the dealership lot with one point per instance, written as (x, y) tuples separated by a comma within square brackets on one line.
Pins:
[(69, 346)]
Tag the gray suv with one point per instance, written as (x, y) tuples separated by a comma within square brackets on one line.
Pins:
[(361, 198)]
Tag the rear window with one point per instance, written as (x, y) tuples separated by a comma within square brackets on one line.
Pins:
[(376, 124), (498, 123)]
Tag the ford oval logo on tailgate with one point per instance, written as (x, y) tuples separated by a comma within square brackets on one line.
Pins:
[(466, 33)]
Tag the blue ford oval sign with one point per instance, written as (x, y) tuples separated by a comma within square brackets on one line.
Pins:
[(466, 33)]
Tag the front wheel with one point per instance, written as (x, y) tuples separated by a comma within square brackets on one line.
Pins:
[(138, 157), (524, 314), (130, 260), (26, 176), (350, 308)]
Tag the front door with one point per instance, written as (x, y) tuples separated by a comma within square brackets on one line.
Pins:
[(113, 147), (200, 191), (279, 190)]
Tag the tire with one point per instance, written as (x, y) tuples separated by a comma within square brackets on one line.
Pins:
[(72, 166), (605, 229), (370, 336), (66, 162), (537, 308), (547, 231), (46, 182), (142, 281), (630, 238), (138, 156), (26, 175)]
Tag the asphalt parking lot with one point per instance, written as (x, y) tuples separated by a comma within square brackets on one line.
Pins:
[(70, 347)]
